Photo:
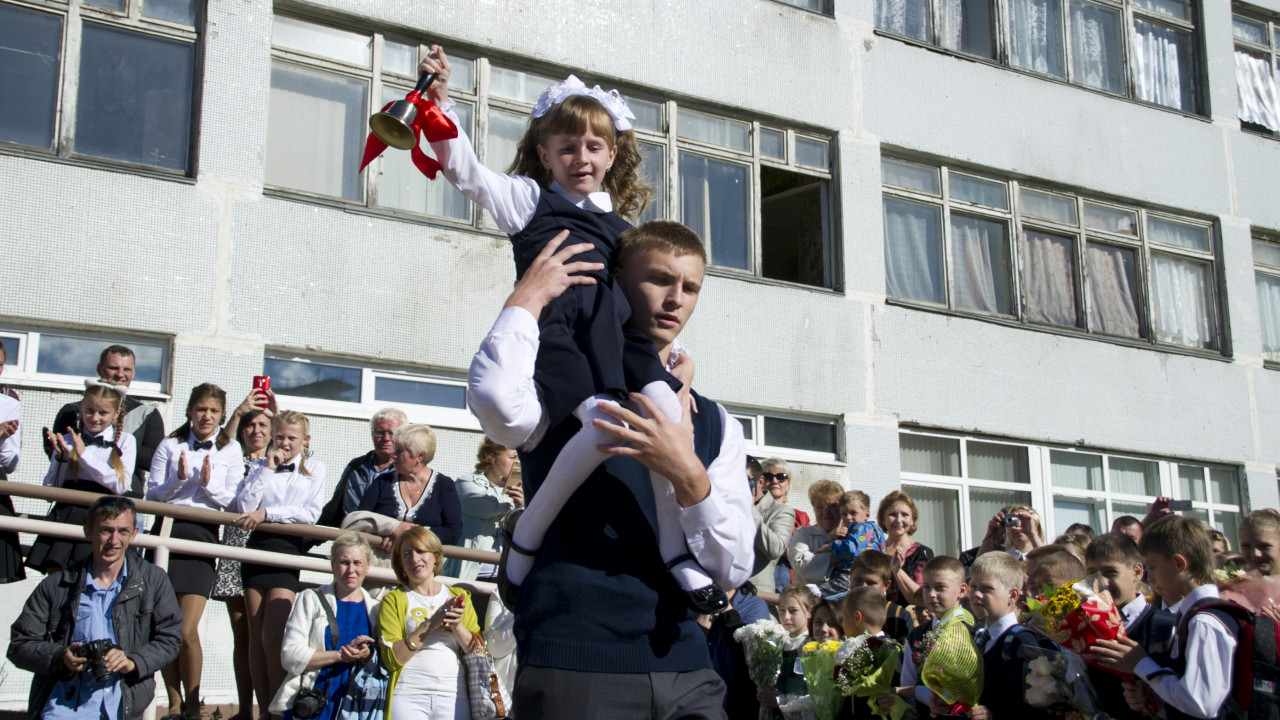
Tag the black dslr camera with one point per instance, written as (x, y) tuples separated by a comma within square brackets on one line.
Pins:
[(95, 652), (308, 704)]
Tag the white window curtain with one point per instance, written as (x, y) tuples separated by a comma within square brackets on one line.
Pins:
[(1095, 46), (913, 250), (1048, 278), (1256, 91), (1133, 477), (951, 24), (1075, 470), (1181, 290), (942, 507), (905, 17), (314, 139), (979, 278), (1269, 315), (1113, 308), (1163, 65), (1036, 37)]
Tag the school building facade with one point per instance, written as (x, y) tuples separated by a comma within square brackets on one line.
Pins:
[(989, 251)]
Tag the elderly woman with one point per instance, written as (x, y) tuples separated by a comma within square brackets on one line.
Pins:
[(899, 517), (416, 494), (311, 657), (810, 548), (423, 627), (485, 499)]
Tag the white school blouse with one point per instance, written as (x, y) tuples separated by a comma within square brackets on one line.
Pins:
[(11, 449), (289, 496), (95, 463), (226, 474)]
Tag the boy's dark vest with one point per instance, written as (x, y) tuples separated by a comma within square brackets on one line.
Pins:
[(1255, 668), (1153, 631), (599, 598), (1003, 673)]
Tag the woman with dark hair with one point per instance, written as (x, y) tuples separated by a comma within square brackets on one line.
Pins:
[(900, 519)]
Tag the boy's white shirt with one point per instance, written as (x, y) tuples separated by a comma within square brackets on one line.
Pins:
[(1133, 610), (998, 629), (1210, 649)]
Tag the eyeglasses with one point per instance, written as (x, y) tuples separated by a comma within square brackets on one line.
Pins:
[(774, 477)]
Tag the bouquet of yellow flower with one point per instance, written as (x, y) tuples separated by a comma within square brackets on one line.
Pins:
[(865, 667), (1077, 615), (953, 667), (818, 662)]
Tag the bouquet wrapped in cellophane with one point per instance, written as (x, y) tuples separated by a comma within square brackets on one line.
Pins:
[(762, 643), (864, 668), (818, 662), (953, 666), (1077, 615), (1058, 682), (1247, 587)]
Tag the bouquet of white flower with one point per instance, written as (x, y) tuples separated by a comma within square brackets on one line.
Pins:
[(762, 642), (1057, 681)]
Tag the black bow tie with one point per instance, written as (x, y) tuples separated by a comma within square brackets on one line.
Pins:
[(284, 468), (206, 445), (94, 440)]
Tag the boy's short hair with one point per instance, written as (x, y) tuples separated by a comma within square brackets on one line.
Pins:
[(856, 496), (1057, 566), (1176, 535), (998, 566), (873, 562), (1261, 520), (944, 564), (665, 235), (753, 468), (1113, 547), (868, 601)]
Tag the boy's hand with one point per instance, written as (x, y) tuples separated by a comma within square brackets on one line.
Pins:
[(980, 712), (1121, 654), (551, 273), (767, 697), (885, 701), (938, 706), (1137, 695)]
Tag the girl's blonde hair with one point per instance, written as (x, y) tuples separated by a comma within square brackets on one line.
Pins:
[(578, 114), (300, 421), (104, 391), (806, 595)]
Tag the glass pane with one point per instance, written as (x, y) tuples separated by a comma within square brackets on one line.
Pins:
[(1097, 51), (1276, 37), (1223, 483), (793, 227), (653, 169), (978, 191), (1228, 523), (1163, 58), (910, 175), (714, 202), (980, 257), (316, 131), (965, 25), (402, 59), (1069, 511), (505, 131), (12, 348), (176, 11), (942, 507), (1249, 30), (814, 5), (905, 17), (748, 427), (930, 455), (1198, 513), (715, 130), (1076, 470), (1181, 294), (1111, 288), (985, 504), (401, 185), (1048, 206), (60, 355), (799, 434), (463, 74), (1134, 477), (1110, 219), (1191, 483), (991, 461), (30, 52), (1269, 314), (1266, 253), (812, 152), (322, 41), (415, 392), (1049, 278), (313, 380), (1172, 8), (913, 250), (107, 4), (648, 114), (1036, 38), (773, 144), (1134, 510), (1171, 232), (516, 85)]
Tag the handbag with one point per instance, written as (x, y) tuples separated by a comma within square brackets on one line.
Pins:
[(483, 688), (364, 696)]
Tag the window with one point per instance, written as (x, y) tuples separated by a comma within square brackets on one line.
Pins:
[(790, 437), (818, 6), (1266, 263), (759, 196), (335, 388), (1257, 39), (1081, 41), (65, 359), (945, 474), (117, 86), (1042, 257)]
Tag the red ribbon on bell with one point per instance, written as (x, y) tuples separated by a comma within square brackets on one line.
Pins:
[(401, 124)]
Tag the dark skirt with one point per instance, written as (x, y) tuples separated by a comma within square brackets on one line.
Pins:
[(11, 569), (191, 575), (49, 554), (265, 577)]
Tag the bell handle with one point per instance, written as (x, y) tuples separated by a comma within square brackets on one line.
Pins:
[(424, 82)]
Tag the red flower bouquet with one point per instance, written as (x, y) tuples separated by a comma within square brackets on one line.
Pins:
[(1078, 615)]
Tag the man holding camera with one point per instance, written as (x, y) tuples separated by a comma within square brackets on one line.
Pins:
[(95, 633)]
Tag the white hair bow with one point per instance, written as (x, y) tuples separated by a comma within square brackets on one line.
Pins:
[(612, 101), (814, 589), (121, 390)]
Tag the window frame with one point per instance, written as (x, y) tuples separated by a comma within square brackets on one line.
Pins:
[(24, 372), (1271, 50), (74, 14), (1261, 268), (827, 9), (753, 422)]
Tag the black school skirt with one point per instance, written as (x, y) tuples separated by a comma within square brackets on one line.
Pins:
[(265, 577), (188, 574), (52, 553)]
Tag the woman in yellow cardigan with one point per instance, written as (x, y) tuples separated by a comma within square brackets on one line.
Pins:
[(424, 626)]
